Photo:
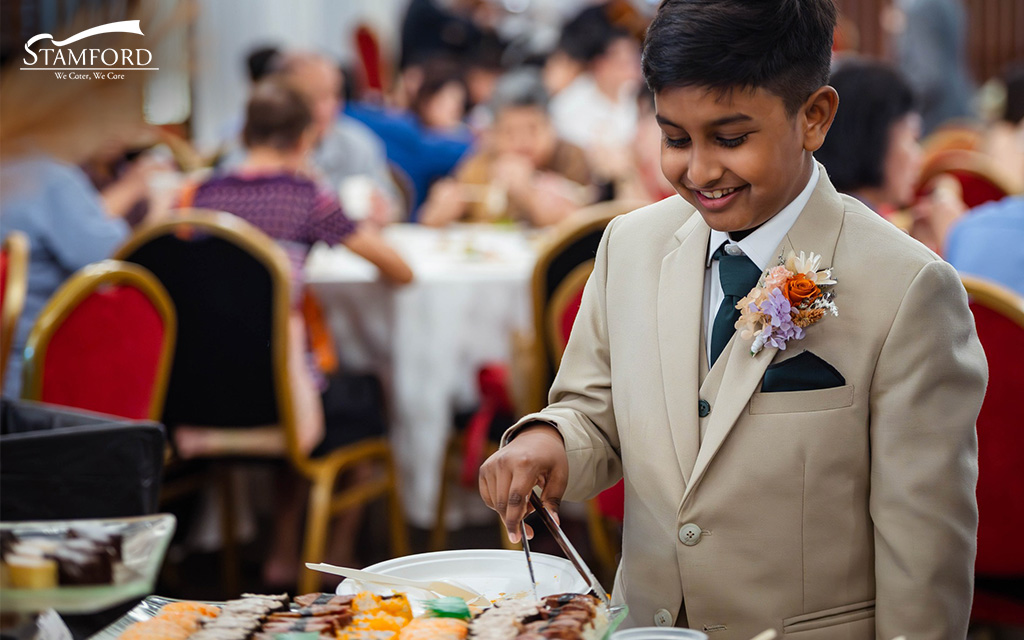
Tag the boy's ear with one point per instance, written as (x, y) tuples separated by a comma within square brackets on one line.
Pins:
[(818, 112)]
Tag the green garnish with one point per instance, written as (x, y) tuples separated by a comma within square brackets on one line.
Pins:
[(449, 607)]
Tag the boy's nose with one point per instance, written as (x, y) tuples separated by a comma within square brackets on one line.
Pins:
[(702, 170)]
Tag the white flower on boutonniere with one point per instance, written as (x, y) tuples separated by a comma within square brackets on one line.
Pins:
[(787, 299)]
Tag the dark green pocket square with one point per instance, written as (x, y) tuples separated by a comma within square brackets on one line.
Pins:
[(804, 372)]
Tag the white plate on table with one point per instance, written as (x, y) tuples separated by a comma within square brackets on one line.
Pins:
[(496, 573)]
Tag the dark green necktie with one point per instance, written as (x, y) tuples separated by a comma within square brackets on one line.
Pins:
[(738, 275)]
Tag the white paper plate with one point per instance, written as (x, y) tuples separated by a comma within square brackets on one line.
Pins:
[(496, 573)]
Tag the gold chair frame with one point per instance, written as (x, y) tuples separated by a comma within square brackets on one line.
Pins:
[(15, 288), (543, 347), (996, 297), (72, 293), (321, 472)]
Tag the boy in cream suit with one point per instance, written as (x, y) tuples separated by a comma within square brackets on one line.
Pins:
[(796, 436)]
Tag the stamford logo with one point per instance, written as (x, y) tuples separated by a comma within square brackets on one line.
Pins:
[(76, 63)]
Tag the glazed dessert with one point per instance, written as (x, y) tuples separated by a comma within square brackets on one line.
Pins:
[(87, 556)]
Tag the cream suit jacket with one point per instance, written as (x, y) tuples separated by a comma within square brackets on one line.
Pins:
[(846, 512)]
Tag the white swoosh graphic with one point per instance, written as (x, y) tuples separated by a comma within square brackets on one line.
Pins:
[(125, 26)]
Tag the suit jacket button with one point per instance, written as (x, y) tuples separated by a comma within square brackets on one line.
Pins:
[(663, 618), (689, 534), (703, 408)]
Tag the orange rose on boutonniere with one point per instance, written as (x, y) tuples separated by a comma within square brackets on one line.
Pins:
[(787, 299), (800, 289)]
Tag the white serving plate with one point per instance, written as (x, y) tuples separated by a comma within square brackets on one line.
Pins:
[(496, 573)]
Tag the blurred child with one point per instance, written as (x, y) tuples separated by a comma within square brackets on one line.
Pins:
[(525, 173)]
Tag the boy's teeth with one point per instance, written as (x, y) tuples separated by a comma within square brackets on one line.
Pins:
[(718, 193)]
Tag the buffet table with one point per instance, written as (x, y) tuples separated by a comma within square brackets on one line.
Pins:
[(428, 339)]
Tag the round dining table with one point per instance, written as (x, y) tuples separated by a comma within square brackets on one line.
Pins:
[(428, 339)]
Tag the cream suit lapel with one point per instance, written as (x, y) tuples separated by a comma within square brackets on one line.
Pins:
[(816, 230), (680, 299)]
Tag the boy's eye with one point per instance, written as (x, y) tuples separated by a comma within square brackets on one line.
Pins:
[(732, 142), (675, 143)]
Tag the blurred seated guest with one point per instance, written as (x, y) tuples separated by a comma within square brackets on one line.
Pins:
[(428, 141), (931, 52), (642, 179), (346, 151), (271, 191), (872, 150), (440, 100), (431, 29), (1004, 138), (598, 111), (68, 227), (988, 242), (483, 70), (259, 63), (523, 172), (271, 188), (135, 183)]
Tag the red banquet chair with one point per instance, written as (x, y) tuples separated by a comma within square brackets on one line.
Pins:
[(104, 343), (999, 568), (981, 179), (13, 286)]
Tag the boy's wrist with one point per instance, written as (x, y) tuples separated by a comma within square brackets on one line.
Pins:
[(535, 426)]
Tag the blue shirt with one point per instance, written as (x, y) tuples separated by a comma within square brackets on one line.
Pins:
[(988, 242), (61, 213), (423, 154)]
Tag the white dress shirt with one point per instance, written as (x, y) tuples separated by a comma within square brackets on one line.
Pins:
[(759, 246)]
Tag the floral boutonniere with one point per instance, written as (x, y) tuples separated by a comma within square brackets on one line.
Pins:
[(787, 299)]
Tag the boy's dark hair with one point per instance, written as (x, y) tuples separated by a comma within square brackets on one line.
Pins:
[(276, 116), (784, 46), (872, 97)]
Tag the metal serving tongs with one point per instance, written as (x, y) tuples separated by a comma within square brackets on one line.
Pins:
[(568, 549)]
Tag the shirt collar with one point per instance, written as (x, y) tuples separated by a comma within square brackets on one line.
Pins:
[(760, 245)]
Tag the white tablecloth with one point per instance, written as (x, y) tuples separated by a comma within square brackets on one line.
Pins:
[(428, 339)]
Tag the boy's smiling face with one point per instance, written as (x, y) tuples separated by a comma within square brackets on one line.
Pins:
[(739, 157)]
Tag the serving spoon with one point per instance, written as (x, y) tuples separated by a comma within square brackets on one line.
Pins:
[(441, 587)]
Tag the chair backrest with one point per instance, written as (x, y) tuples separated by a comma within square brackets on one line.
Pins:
[(13, 285), (406, 190), (104, 343), (999, 317), (230, 286), (981, 180), (563, 267), (953, 136), (58, 464), (375, 67)]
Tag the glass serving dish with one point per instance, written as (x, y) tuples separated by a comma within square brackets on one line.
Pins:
[(144, 543)]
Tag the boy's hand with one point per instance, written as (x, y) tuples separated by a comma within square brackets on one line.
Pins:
[(536, 457)]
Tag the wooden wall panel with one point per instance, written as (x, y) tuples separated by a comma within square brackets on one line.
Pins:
[(995, 32)]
